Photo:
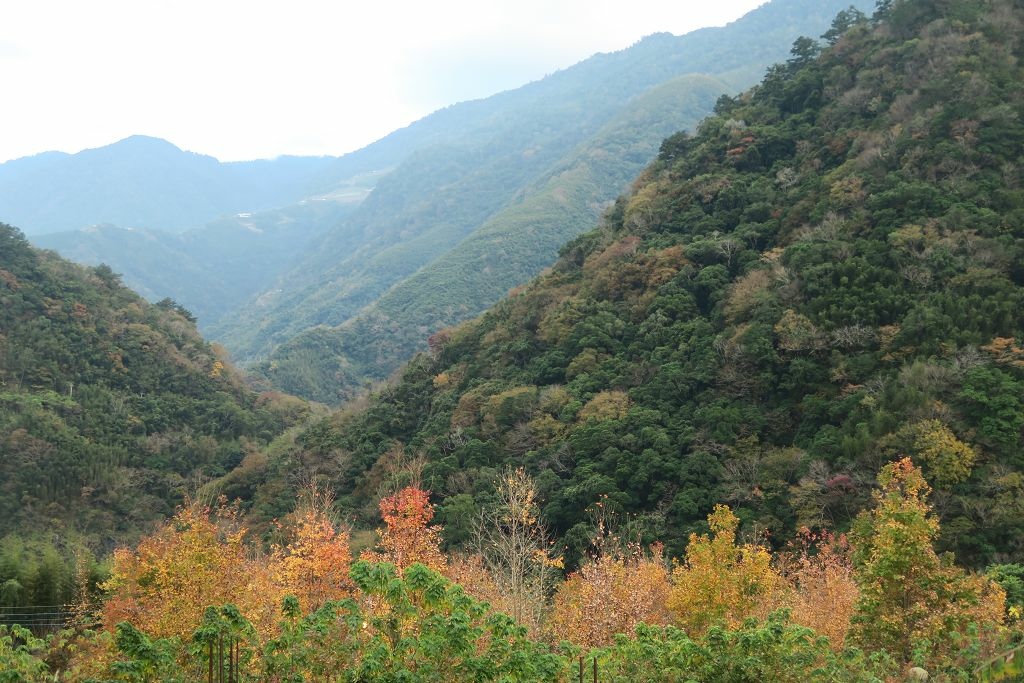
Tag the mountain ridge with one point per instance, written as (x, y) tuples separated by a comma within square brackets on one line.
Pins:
[(824, 277), (216, 267), (333, 286), (144, 182), (112, 410)]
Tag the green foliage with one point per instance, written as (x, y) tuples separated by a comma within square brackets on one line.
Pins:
[(418, 626), (43, 572), (413, 626), (111, 409), (787, 298), (20, 660), (912, 603), (844, 21), (996, 400), (1007, 666), (773, 650), (1011, 578), (315, 646), (432, 631), (221, 628), (144, 659)]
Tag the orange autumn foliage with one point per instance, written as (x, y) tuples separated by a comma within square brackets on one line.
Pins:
[(314, 565), (611, 595), (192, 561), (407, 538), (824, 593), (470, 572), (199, 559)]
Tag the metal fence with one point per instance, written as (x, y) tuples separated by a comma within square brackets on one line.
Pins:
[(38, 618)]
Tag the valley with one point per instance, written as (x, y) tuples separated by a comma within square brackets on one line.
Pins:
[(726, 352)]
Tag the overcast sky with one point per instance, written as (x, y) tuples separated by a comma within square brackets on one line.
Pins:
[(245, 79)]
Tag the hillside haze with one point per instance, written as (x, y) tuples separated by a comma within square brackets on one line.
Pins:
[(487, 193), (145, 182), (212, 269)]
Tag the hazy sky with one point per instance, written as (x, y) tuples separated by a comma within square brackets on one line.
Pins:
[(244, 79)]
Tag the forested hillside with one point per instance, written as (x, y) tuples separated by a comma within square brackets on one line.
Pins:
[(826, 276), (144, 182), (725, 438), (112, 410), (477, 190), (329, 364), (211, 269)]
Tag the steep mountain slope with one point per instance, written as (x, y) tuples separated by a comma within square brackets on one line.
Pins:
[(507, 147), (509, 248), (144, 182), (827, 276), (111, 409), (210, 270)]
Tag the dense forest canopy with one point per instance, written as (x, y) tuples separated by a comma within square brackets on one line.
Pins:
[(740, 421), (825, 276), (482, 205), (112, 410)]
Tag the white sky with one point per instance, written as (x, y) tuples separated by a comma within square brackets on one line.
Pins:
[(245, 79)]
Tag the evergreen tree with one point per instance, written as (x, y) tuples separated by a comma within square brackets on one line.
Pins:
[(913, 603)]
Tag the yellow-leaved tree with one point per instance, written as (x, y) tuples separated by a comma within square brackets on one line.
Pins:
[(913, 603), (196, 559), (722, 581), (946, 460), (313, 566), (199, 558)]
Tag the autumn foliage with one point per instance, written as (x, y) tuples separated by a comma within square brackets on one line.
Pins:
[(823, 590), (722, 581), (609, 595), (909, 594), (882, 589), (515, 551), (406, 537), (314, 565), (200, 558), (194, 560)]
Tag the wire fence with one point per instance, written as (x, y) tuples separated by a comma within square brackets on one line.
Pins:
[(38, 618)]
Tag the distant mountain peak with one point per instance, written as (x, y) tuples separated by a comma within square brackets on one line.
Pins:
[(147, 182), (141, 144), (145, 141)]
